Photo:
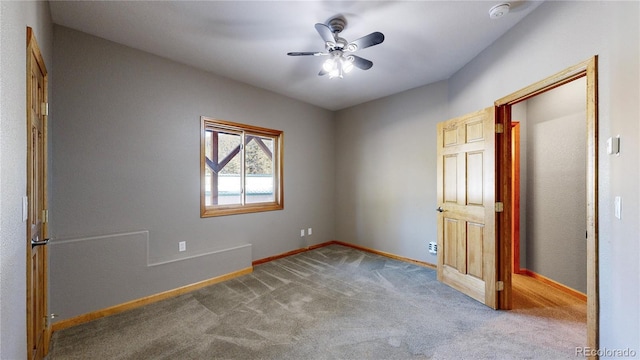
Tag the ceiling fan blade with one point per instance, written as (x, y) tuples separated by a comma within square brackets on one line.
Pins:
[(322, 72), (305, 53), (361, 63), (325, 32), (374, 38)]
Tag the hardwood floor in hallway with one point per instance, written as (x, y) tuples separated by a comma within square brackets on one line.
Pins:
[(531, 295)]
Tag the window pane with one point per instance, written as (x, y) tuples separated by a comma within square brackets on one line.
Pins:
[(208, 193), (229, 182), (259, 169), (227, 144), (208, 147)]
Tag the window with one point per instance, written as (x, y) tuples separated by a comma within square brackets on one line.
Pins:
[(240, 168)]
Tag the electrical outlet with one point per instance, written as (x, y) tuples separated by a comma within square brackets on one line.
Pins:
[(182, 246), (309, 231), (433, 248), (302, 233)]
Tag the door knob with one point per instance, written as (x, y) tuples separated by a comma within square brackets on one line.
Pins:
[(440, 209)]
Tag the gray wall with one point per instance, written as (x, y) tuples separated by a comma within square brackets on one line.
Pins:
[(126, 157), (394, 214), (556, 185), (555, 36), (14, 19), (386, 160)]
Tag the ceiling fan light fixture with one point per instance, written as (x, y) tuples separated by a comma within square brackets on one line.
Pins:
[(333, 68), (347, 64), (329, 65), (335, 73)]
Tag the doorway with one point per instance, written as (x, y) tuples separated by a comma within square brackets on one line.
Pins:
[(588, 71), (548, 190)]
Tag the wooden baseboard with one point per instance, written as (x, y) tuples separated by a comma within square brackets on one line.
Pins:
[(336, 242), (279, 256), (386, 254), (63, 324), (289, 253), (565, 289), (145, 300)]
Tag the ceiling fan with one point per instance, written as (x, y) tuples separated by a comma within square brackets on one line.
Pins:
[(341, 59)]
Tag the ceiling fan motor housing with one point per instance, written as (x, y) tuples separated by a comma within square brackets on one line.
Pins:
[(337, 24), (341, 43)]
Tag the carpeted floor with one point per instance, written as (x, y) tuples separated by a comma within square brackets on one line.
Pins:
[(333, 302)]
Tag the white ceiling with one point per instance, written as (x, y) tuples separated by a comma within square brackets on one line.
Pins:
[(425, 41)]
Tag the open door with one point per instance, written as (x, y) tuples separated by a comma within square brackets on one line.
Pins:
[(466, 205), (37, 108)]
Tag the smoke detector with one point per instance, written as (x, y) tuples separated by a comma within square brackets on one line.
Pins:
[(499, 10)]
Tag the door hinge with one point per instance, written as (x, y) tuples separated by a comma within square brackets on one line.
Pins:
[(499, 285), (45, 216), (44, 109), (499, 128), (499, 207)]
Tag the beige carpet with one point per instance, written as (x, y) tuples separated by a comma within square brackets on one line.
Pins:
[(333, 302)]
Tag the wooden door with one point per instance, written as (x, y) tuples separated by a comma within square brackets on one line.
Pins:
[(466, 205), (37, 109)]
